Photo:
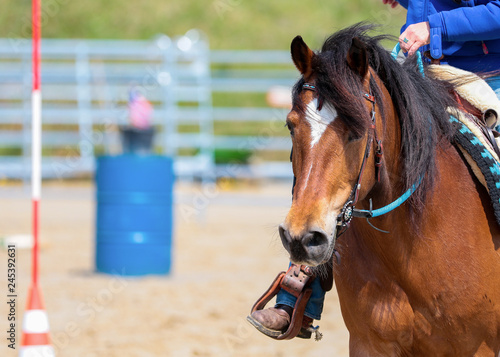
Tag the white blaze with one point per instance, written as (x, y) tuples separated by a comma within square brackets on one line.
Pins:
[(308, 175), (319, 119)]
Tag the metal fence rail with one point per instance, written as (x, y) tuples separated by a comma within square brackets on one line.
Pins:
[(84, 89)]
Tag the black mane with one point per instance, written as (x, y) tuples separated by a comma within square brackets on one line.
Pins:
[(420, 102)]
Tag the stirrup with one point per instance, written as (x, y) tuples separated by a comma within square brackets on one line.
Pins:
[(296, 281)]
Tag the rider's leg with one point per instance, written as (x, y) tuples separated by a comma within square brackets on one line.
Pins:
[(276, 319), (315, 305)]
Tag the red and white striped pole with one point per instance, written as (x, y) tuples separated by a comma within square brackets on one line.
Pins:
[(35, 331), (36, 135)]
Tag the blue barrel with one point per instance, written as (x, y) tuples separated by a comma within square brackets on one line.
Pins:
[(134, 214)]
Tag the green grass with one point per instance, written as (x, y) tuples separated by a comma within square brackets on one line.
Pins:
[(11, 151), (229, 24), (239, 99), (226, 156)]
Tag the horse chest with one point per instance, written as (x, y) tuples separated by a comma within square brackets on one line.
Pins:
[(383, 315), (382, 322)]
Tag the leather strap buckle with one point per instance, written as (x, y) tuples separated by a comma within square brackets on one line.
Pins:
[(296, 278)]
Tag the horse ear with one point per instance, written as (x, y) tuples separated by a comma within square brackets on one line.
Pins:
[(357, 58), (302, 56)]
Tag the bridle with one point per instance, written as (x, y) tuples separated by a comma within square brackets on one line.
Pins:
[(348, 210)]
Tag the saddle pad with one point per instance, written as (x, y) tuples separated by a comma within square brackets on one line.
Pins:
[(470, 123), (488, 166)]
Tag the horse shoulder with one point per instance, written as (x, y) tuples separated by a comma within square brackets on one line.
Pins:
[(388, 321), (376, 309)]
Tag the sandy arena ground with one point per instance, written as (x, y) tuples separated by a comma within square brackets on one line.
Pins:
[(224, 258)]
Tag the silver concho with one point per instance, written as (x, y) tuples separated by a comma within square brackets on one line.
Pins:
[(347, 212)]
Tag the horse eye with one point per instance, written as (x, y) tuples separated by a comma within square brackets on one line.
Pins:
[(351, 137), (290, 128)]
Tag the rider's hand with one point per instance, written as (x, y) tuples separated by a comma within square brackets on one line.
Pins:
[(416, 35), (393, 3)]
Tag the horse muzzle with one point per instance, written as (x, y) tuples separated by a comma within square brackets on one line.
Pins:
[(313, 247)]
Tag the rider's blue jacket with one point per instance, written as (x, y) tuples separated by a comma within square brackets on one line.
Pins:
[(468, 33)]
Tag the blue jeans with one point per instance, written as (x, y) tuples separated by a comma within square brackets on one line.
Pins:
[(314, 307)]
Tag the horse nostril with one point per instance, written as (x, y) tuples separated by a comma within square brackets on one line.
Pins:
[(285, 237), (315, 239), (309, 247)]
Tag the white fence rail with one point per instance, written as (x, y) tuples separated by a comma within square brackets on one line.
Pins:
[(84, 90)]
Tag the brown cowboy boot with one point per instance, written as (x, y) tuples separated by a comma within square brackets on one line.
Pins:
[(274, 321)]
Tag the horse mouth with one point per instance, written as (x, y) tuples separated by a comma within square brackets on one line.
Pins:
[(313, 248)]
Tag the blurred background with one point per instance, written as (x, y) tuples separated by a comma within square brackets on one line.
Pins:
[(169, 114)]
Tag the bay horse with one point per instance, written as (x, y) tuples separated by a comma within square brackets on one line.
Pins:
[(424, 278)]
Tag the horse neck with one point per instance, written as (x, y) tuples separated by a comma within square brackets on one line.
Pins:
[(455, 190)]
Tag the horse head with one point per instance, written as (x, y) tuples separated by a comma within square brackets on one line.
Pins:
[(330, 130)]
